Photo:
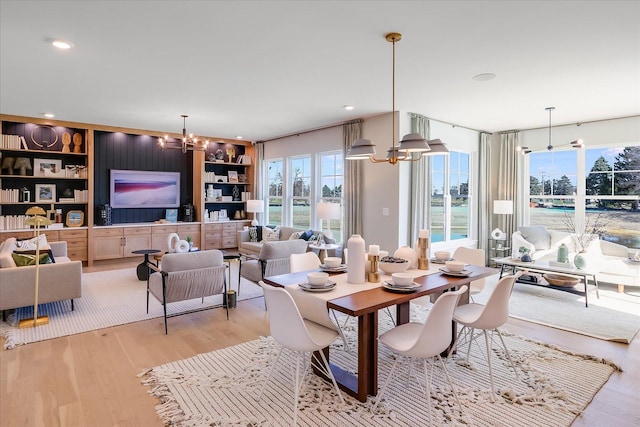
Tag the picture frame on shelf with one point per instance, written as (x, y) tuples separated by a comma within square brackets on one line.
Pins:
[(217, 194), (233, 176), (242, 178), (171, 215), (45, 193), (75, 218), (47, 167)]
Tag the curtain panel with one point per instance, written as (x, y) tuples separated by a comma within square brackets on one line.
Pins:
[(420, 183), (353, 182), (485, 203), (508, 179)]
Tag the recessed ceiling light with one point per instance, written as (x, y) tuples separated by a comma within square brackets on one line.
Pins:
[(348, 107), (239, 137), (49, 115), (61, 44), (484, 77)]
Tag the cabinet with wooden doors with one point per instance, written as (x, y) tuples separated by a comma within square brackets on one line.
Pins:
[(119, 242)]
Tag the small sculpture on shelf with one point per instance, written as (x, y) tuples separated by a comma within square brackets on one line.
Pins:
[(236, 194), (7, 164), (23, 165)]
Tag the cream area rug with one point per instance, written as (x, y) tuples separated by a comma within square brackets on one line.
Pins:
[(221, 389), (614, 316), (109, 298)]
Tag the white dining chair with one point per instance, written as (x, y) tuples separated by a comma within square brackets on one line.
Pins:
[(298, 335), (473, 257), (303, 262), (488, 317), (424, 341)]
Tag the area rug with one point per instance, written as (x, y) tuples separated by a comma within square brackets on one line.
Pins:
[(221, 388), (109, 298), (614, 316)]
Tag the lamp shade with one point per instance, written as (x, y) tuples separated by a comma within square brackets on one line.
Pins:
[(255, 206), (361, 149), (414, 143), (326, 210), (437, 147), (503, 207)]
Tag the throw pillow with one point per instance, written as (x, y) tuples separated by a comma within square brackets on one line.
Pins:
[(6, 249), (306, 235), (270, 235), (24, 260), (42, 251), (295, 235), (537, 235), (30, 244), (255, 234)]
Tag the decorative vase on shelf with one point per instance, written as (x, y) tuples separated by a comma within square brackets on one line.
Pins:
[(580, 260), (525, 258), (355, 266), (563, 253), (210, 191)]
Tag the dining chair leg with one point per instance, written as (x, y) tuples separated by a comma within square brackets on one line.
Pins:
[(296, 391), (386, 383), (330, 374), (470, 341), (427, 383), (486, 340), (341, 332), (506, 350), (273, 366), (446, 373)]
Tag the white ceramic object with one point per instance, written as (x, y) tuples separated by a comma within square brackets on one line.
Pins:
[(182, 246), (393, 267), (454, 266), (402, 279), (442, 255), (172, 241), (356, 265), (332, 261), (318, 278), (407, 253)]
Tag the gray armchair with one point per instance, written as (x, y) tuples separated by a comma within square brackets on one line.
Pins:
[(272, 260), (186, 276)]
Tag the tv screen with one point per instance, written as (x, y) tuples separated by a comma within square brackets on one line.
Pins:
[(144, 189)]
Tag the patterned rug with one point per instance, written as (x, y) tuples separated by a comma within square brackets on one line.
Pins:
[(220, 388), (109, 298)]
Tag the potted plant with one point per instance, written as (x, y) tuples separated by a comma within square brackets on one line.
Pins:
[(190, 242), (524, 254)]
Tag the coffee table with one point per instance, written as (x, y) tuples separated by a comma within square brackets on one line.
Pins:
[(539, 266)]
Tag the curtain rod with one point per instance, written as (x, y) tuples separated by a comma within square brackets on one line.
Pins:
[(311, 130), (449, 123), (568, 124)]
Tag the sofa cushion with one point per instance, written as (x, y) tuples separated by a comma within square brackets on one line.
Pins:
[(30, 243), (23, 260), (537, 235), (6, 249)]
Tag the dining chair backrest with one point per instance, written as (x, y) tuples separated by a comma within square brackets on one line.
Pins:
[(285, 322), (435, 335), (303, 262), (496, 310), (473, 257)]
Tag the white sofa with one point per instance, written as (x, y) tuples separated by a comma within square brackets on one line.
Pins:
[(610, 259)]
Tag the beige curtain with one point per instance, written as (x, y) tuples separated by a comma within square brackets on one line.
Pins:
[(259, 177), (420, 195), (508, 180), (353, 182), (485, 203)]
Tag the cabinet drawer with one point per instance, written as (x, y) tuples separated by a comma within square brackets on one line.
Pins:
[(77, 242), (137, 231), (70, 234), (213, 243), (107, 232), (229, 227), (186, 229), (77, 254), (213, 228), (164, 229), (228, 242)]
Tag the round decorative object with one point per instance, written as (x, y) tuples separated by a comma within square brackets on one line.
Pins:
[(182, 246), (212, 157), (219, 154), (407, 253), (525, 258), (44, 136), (67, 193), (560, 280), (172, 241), (580, 261)]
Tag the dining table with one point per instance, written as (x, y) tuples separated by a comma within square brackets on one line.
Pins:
[(363, 301)]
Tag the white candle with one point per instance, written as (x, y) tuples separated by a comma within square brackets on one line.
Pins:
[(424, 233), (374, 249)]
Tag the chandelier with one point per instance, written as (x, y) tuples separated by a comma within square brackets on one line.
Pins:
[(412, 146), (187, 143), (578, 143)]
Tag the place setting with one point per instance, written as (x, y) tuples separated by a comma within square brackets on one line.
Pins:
[(317, 282), (401, 282), (455, 268), (333, 265), (440, 257)]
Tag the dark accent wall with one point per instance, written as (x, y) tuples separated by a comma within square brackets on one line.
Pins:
[(115, 150)]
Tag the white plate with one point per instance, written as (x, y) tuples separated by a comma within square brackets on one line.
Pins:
[(463, 273), (313, 288), (437, 261), (327, 269), (390, 286)]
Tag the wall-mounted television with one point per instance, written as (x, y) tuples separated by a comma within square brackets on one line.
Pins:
[(144, 189)]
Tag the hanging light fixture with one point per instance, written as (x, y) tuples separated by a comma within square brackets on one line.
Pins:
[(578, 143), (412, 146), (188, 142)]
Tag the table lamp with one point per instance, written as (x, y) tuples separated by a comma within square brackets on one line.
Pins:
[(501, 207), (37, 220), (255, 206), (328, 211)]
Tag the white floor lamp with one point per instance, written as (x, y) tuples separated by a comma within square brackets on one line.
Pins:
[(255, 206), (37, 220), (328, 211)]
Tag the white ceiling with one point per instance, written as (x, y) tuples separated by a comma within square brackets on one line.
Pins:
[(263, 69)]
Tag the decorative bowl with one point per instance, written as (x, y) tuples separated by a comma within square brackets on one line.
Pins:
[(454, 266), (317, 278), (332, 261), (560, 280), (442, 255), (402, 279), (394, 265)]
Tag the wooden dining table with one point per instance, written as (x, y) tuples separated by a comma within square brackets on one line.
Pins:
[(365, 305)]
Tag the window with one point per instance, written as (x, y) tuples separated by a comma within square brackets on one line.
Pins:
[(274, 191), (594, 181), (449, 208), (300, 190), (331, 180)]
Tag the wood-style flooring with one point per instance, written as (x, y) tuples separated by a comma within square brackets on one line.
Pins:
[(90, 379)]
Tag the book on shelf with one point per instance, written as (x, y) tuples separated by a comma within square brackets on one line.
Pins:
[(66, 199)]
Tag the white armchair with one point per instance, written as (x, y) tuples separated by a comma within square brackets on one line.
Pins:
[(540, 241)]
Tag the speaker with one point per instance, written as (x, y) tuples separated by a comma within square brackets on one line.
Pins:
[(104, 215), (187, 213)]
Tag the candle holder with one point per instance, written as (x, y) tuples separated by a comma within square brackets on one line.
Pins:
[(423, 261), (374, 276)]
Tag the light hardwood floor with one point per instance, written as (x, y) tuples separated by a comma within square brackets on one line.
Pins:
[(90, 379)]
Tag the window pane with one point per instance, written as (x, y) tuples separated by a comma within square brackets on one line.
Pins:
[(301, 172), (275, 211), (301, 213), (622, 219), (274, 177)]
